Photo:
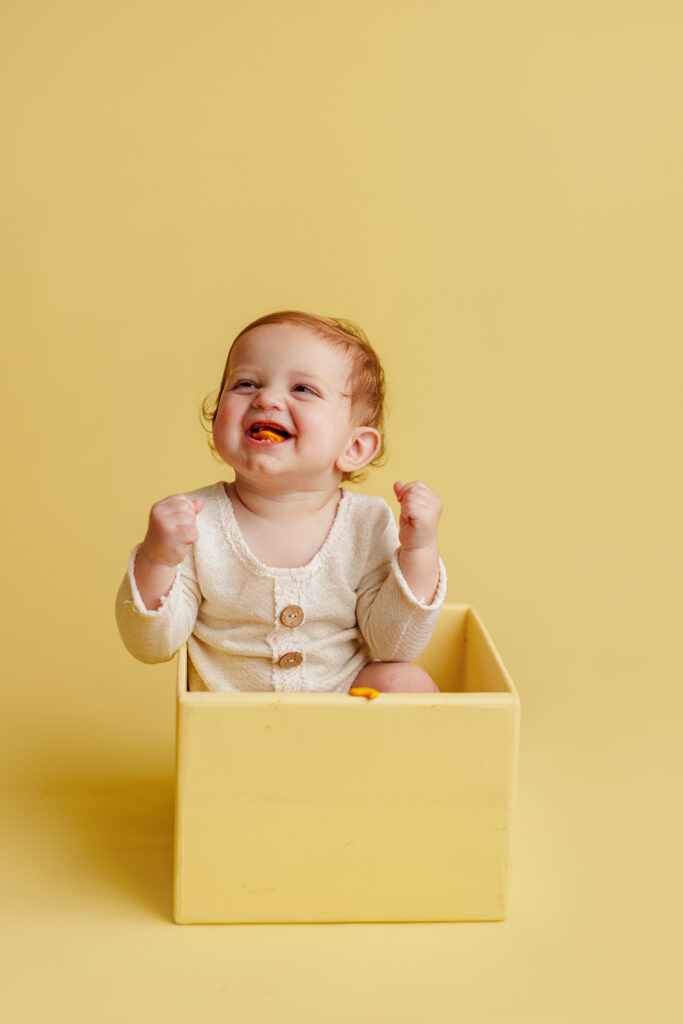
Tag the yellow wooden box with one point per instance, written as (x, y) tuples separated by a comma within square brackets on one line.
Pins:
[(324, 807)]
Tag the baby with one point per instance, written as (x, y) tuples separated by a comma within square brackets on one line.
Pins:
[(282, 579)]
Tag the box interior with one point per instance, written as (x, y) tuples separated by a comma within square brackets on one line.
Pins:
[(460, 657)]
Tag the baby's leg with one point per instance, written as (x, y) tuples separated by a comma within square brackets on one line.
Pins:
[(396, 677)]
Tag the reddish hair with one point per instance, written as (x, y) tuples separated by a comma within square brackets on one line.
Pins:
[(367, 376)]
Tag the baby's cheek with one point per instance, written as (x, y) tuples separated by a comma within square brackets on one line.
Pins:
[(225, 417)]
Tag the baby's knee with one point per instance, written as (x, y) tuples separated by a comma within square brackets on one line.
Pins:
[(396, 677)]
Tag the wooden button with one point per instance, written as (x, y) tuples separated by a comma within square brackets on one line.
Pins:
[(291, 616), (290, 660)]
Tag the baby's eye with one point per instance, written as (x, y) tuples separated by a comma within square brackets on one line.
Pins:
[(243, 384), (305, 389)]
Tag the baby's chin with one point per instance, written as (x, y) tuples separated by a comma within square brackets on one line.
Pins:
[(270, 479)]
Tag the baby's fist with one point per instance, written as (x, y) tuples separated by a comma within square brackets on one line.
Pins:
[(420, 514), (172, 528)]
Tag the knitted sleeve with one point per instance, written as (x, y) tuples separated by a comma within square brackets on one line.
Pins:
[(153, 636), (395, 624)]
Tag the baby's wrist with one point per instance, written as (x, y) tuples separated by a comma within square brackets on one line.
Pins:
[(428, 548), (152, 560), (420, 569), (421, 560)]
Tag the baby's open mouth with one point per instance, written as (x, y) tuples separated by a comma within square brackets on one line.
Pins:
[(268, 432)]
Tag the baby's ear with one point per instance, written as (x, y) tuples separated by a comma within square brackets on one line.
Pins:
[(363, 445)]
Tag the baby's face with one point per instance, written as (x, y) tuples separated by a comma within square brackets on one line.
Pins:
[(284, 418)]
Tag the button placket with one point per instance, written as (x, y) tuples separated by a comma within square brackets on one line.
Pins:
[(287, 650)]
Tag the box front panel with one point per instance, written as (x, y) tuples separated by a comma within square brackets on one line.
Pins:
[(346, 810)]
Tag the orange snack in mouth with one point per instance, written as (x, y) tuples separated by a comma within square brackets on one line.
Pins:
[(266, 434)]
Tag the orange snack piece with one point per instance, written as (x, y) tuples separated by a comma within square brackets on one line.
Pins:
[(363, 691), (265, 434)]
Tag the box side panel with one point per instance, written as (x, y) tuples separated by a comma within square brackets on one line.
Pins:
[(486, 673), (512, 773), (444, 658), (484, 669), (179, 832)]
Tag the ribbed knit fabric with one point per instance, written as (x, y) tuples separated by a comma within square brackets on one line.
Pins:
[(226, 605)]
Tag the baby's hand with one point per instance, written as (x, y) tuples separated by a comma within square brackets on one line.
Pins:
[(172, 528), (420, 514)]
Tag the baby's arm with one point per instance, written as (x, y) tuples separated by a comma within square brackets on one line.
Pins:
[(418, 556), (404, 583), (172, 528), (158, 600)]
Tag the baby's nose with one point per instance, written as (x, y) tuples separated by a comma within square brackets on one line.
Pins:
[(269, 398)]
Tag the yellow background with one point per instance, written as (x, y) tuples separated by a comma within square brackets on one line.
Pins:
[(493, 191)]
